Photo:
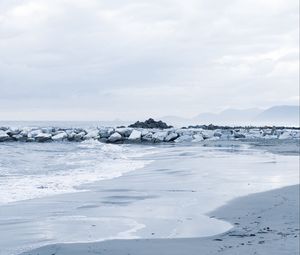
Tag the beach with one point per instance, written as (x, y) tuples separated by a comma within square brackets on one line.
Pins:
[(179, 199), (264, 223)]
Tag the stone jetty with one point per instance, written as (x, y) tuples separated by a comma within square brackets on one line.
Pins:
[(144, 132)]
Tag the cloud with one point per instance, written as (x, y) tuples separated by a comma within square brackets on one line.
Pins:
[(140, 58)]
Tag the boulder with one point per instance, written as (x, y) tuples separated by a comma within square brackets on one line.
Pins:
[(184, 138), (150, 123), (239, 135), (20, 138), (4, 136), (159, 137), (92, 134), (206, 134), (33, 133), (125, 132), (106, 132), (285, 135), (115, 137), (171, 137), (198, 138), (147, 136), (42, 137), (13, 131), (60, 136), (135, 136), (217, 134), (79, 136)]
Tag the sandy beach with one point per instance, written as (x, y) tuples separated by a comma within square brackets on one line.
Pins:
[(188, 199), (264, 223)]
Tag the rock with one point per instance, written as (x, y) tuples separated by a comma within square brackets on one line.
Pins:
[(238, 135), (115, 137), (92, 134), (285, 135), (150, 123), (171, 137), (207, 134), (125, 132), (159, 136), (197, 138), (135, 135), (20, 138), (184, 138), (33, 133), (42, 137), (218, 134), (106, 132), (4, 137), (60, 136), (148, 136), (13, 131), (79, 136)]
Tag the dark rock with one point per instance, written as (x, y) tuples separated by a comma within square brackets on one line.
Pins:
[(150, 123), (237, 135)]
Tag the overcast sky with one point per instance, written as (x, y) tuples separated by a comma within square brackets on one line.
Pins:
[(129, 59)]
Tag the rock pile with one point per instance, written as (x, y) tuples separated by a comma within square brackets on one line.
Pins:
[(150, 123), (138, 135)]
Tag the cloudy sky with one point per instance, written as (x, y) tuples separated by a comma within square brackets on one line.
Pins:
[(128, 59)]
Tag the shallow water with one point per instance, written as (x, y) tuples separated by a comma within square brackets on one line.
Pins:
[(32, 170), (92, 191)]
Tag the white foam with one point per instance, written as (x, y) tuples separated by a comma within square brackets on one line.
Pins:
[(88, 162)]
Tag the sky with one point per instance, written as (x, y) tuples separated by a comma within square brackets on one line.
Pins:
[(132, 59)]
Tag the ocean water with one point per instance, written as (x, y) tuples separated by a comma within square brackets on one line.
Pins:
[(90, 191), (35, 170)]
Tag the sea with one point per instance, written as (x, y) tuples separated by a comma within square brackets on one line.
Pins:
[(91, 191)]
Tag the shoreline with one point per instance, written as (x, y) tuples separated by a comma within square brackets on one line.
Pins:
[(264, 223), (169, 198)]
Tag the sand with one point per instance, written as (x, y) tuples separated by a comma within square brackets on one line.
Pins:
[(264, 223)]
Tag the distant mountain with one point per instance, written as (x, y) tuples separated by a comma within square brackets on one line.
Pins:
[(229, 116), (176, 121), (285, 115), (281, 115)]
